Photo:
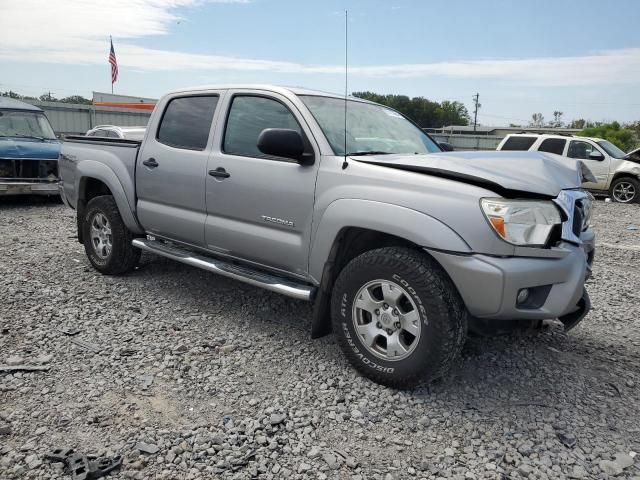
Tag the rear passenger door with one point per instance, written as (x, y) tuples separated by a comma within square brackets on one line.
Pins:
[(171, 168), (583, 150), (553, 145), (260, 211)]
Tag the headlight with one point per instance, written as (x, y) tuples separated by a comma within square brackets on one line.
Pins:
[(522, 222)]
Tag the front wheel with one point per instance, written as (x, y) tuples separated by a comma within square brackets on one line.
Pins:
[(398, 317), (625, 190), (107, 241)]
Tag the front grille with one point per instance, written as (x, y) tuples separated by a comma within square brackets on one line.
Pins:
[(578, 216), (576, 206)]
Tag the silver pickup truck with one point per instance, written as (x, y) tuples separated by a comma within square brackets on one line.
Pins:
[(401, 247)]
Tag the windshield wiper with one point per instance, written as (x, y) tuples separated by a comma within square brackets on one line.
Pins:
[(27, 136), (369, 152)]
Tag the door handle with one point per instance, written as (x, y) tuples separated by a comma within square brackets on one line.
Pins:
[(151, 163), (219, 173)]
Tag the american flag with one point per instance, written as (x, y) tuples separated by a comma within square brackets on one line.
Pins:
[(114, 64)]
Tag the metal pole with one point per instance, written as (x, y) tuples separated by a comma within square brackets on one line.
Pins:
[(476, 97)]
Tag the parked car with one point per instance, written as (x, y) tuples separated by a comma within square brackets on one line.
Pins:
[(400, 249), (616, 173), (113, 131), (446, 147), (28, 150)]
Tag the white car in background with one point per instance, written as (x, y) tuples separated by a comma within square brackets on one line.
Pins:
[(617, 173), (112, 131)]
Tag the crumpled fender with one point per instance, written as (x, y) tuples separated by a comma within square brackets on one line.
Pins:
[(403, 222), (100, 171)]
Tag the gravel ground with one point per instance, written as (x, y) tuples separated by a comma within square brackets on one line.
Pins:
[(223, 381)]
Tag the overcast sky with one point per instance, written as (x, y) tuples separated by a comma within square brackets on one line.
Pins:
[(581, 57)]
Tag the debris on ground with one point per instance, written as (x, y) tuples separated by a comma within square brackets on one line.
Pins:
[(84, 467)]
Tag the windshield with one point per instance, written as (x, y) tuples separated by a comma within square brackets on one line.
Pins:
[(611, 149), (370, 128), (25, 124)]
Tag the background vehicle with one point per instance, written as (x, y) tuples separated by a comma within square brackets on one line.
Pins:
[(28, 150), (400, 246), (615, 172), (113, 131)]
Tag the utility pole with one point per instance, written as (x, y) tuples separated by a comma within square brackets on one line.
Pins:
[(476, 97)]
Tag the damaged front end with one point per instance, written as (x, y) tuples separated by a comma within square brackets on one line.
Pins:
[(28, 176), (29, 150)]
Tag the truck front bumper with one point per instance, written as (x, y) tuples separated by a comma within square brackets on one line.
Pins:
[(490, 285), (28, 188)]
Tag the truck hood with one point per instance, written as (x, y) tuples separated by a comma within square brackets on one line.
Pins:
[(506, 173), (25, 148)]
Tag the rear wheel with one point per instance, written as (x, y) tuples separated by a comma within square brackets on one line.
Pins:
[(107, 241), (625, 190), (398, 317)]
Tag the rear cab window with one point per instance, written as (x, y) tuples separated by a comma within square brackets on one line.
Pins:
[(518, 142), (186, 122), (553, 145)]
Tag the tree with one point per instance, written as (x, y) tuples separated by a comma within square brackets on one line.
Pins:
[(537, 120), (623, 138), (557, 119), (579, 123), (426, 113), (76, 99), (47, 97)]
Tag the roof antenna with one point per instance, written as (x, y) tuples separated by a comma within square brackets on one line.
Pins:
[(345, 164)]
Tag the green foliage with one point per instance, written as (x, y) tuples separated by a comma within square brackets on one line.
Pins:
[(623, 138), (76, 99), (47, 97), (426, 113)]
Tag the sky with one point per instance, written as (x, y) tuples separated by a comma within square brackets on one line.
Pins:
[(581, 57)]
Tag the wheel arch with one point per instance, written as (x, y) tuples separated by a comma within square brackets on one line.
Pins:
[(351, 227), (96, 179)]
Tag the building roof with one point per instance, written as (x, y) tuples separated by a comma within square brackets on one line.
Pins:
[(7, 103)]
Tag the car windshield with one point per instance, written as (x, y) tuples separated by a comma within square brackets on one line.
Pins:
[(371, 129), (25, 124), (611, 149)]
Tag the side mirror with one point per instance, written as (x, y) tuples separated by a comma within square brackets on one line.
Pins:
[(282, 142), (595, 155), (447, 147)]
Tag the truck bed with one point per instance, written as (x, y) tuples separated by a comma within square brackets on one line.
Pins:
[(80, 155)]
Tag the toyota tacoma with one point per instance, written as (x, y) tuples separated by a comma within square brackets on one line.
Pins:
[(402, 248)]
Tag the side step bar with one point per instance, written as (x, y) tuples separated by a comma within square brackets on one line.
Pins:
[(265, 280)]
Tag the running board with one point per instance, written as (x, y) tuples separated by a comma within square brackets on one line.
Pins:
[(257, 278)]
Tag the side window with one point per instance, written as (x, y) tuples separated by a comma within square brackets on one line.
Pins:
[(186, 122), (553, 145), (518, 143), (578, 149), (112, 134), (248, 117), (92, 134)]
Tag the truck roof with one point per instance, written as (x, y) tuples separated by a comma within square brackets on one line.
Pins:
[(7, 103), (554, 135), (267, 87)]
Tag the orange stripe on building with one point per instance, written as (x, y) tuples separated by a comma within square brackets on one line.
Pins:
[(133, 105)]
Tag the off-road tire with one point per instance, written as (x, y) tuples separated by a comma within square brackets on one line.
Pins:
[(123, 257), (443, 315), (633, 181)]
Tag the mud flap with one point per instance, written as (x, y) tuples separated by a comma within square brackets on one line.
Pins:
[(570, 320)]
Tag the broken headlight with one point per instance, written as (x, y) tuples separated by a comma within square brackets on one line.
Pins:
[(522, 222)]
